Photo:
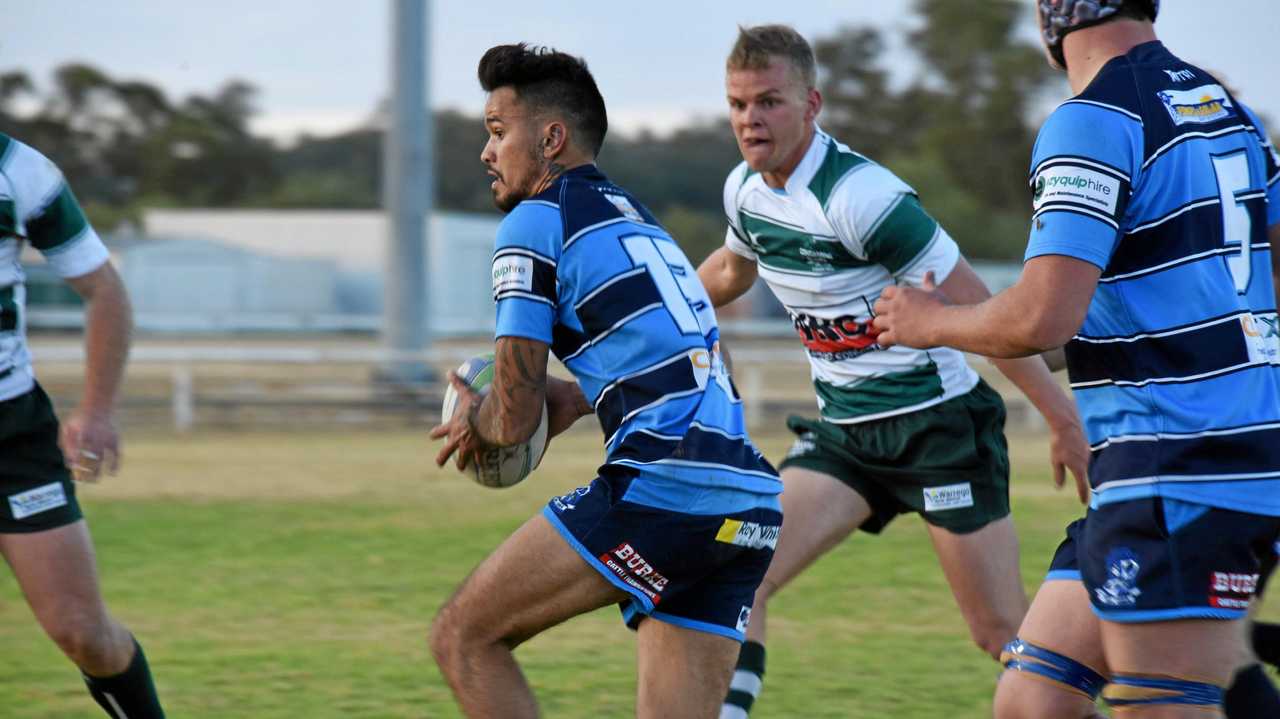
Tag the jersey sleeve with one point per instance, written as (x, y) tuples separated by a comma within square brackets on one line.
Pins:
[(735, 238), (525, 260), (1272, 160), (878, 217), (1083, 167), (49, 216)]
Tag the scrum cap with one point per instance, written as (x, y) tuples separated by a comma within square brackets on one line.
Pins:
[(1058, 18)]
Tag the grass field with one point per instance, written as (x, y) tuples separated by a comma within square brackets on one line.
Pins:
[(275, 575)]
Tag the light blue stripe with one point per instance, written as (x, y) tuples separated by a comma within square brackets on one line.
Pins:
[(1165, 197), (1111, 411), (1108, 136), (1063, 575), (1259, 496), (1178, 514), (1174, 297), (1073, 235), (1143, 616), (593, 561), (674, 495), (699, 626)]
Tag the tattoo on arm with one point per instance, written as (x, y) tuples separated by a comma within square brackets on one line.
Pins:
[(513, 407)]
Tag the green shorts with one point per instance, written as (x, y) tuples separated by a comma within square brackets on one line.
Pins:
[(948, 462), (36, 492)]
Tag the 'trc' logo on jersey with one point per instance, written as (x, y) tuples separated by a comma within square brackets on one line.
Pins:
[(840, 337), (1122, 576), (1199, 105), (1231, 590)]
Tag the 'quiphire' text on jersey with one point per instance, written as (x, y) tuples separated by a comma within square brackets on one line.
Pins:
[(1158, 176)]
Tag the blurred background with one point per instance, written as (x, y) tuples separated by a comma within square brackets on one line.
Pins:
[(232, 155), (279, 536)]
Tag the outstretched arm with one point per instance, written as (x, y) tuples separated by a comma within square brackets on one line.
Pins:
[(1068, 449), (1041, 311), (89, 438)]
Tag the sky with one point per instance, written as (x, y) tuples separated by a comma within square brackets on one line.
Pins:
[(321, 66)]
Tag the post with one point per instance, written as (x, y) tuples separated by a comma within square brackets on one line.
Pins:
[(407, 195)]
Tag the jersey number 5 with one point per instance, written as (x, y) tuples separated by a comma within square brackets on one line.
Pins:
[(1237, 226)]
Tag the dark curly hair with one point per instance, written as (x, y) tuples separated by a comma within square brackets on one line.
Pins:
[(547, 79)]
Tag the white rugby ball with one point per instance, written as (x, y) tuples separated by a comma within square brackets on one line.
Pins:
[(498, 466)]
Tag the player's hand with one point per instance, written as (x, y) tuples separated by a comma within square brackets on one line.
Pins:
[(89, 444), (462, 438), (565, 405), (1069, 452), (902, 314)]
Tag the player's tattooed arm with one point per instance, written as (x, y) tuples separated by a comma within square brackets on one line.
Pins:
[(511, 411)]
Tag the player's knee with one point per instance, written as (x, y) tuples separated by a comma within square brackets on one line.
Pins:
[(992, 636), (446, 638), (1021, 698), (85, 638)]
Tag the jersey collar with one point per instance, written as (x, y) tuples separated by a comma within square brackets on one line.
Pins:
[(810, 163)]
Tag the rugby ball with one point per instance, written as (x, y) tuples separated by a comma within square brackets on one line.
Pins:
[(497, 466)]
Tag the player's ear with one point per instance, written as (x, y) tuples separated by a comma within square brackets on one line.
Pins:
[(555, 138), (813, 104)]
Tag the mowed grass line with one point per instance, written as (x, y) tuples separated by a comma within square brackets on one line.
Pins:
[(294, 575)]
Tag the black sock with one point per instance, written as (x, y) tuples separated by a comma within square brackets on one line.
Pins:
[(131, 694), (746, 681), (1251, 695), (1266, 642)]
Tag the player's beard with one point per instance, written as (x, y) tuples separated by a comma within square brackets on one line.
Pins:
[(519, 193)]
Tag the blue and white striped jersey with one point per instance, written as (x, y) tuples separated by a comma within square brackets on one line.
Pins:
[(1157, 175), (585, 268)]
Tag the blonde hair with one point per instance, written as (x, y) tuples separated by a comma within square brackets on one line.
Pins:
[(757, 46)]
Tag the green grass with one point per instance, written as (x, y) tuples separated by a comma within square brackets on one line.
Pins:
[(294, 575)]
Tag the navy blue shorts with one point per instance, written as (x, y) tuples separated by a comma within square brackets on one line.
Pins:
[(1159, 559), (691, 570)]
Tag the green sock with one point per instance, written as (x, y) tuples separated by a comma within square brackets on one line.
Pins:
[(131, 694)]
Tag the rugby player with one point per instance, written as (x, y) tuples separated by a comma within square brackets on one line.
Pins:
[(901, 430), (1151, 256), (43, 535), (681, 522)]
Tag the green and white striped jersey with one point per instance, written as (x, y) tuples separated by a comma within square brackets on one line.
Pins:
[(827, 244), (36, 206)]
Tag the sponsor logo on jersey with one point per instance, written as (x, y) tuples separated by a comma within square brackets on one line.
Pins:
[(37, 500), (512, 273), (744, 618), (748, 534), (1077, 185), (846, 335), (624, 561), (951, 496), (569, 501), (1231, 590), (1120, 589), (1180, 75), (1262, 337), (624, 206), (1199, 105)]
